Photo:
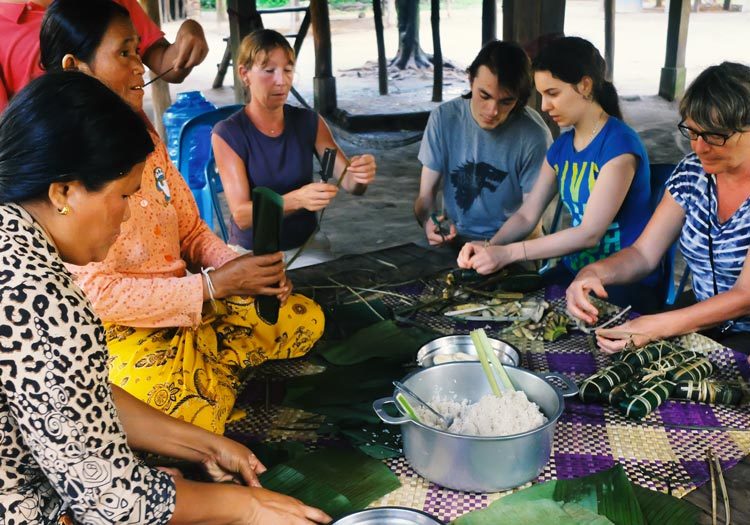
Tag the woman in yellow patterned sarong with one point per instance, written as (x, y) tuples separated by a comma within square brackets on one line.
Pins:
[(170, 344)]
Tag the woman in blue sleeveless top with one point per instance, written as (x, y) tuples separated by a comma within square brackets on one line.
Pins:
[(270, 143), (706, 206)]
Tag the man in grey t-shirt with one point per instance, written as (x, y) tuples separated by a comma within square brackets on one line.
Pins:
[(486, 149)]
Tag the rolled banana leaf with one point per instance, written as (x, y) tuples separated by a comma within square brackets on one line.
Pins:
[(708, 391), (622, 391), (268, 213), (647, 398), (595, 388), (646, 355), (692, 370)]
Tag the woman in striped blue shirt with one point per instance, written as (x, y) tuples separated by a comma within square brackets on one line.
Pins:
[(707, 204)]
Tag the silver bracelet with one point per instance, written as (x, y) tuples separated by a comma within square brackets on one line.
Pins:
[(210, 284)]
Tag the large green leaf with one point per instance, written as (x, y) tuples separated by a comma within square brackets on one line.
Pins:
[(608, 494), (384, 340), (337, 481), (360, 478), (309, 490), (662, 509)]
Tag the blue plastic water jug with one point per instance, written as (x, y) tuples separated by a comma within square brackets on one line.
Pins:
[(188, 105)]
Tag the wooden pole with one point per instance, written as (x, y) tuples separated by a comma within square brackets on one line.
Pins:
[(159, 89), (609, 37), (243, 20), (489, 21), (377, 11), (437, 53), (672, 82), (324, 83)]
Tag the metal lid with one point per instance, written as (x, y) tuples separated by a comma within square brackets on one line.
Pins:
[(388, 516), (452, 345)]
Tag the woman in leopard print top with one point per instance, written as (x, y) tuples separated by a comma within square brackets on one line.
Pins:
[(71, 153)]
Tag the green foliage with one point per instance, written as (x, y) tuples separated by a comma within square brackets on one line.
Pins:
[(599, 499), (337, 481)]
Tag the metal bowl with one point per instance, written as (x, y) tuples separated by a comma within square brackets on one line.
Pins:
[(388, 516), (478, 463), (454, 344)]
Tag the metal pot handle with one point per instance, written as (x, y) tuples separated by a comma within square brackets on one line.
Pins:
[(378, 405), (571, 388)]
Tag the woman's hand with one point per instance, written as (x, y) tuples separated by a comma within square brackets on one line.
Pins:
[(630, 335), (231, 461), (362, 169), (252, 275), (272, 507), (484, 259), (314, 196), (287, 286), (577, 296)]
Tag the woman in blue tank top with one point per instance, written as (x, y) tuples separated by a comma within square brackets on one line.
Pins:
[(271, 144)]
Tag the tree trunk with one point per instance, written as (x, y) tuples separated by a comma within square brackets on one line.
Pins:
[(410, 53)]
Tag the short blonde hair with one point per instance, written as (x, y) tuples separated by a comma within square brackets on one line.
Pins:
[(256, 46)]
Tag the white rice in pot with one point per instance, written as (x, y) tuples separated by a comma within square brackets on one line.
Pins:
[(492, 416)]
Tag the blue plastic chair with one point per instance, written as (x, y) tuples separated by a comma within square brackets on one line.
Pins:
[(659, 175), (201, 124), (214, 187)]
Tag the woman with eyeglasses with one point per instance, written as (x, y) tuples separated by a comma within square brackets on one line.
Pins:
[(706, 205)]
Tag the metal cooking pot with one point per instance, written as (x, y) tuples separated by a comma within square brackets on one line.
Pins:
[(474, 463)]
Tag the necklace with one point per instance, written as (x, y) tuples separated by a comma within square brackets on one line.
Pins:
[(596, 126)]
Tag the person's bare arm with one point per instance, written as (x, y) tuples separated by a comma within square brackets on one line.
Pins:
[(424, 207), (630, 264), (187, 51), (604, 203), (233, 173)]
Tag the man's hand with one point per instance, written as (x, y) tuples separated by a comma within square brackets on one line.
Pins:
[(433, 231), (191, 46)]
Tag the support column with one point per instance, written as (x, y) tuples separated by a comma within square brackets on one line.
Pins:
[(533, 23), (377, 13), (437, 53), (324, 83), (672, 82), (243, 20), (489, 21), (609, 37)]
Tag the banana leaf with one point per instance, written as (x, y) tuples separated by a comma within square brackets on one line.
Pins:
[(608, 494), (522, 282), (337, 481), (381, 340), (662, 509), (311, 491), (344, 320), (268, 213)]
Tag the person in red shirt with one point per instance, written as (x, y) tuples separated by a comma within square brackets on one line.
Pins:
[(20, 21)]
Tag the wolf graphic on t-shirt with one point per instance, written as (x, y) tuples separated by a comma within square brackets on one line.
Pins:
[(471, 178)]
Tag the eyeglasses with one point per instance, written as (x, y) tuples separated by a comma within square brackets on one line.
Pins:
[(709, 137)]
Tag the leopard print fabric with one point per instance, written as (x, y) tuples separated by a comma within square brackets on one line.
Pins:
[(61, 442)]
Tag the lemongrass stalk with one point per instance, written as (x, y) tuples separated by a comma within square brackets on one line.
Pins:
[(401, 400), (485, 363), (504, 377), (711, 470), (723, 486)]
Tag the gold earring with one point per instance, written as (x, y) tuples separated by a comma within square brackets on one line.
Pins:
[(65, 210)]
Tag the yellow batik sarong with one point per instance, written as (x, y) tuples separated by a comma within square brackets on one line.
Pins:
[(194, 374)]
